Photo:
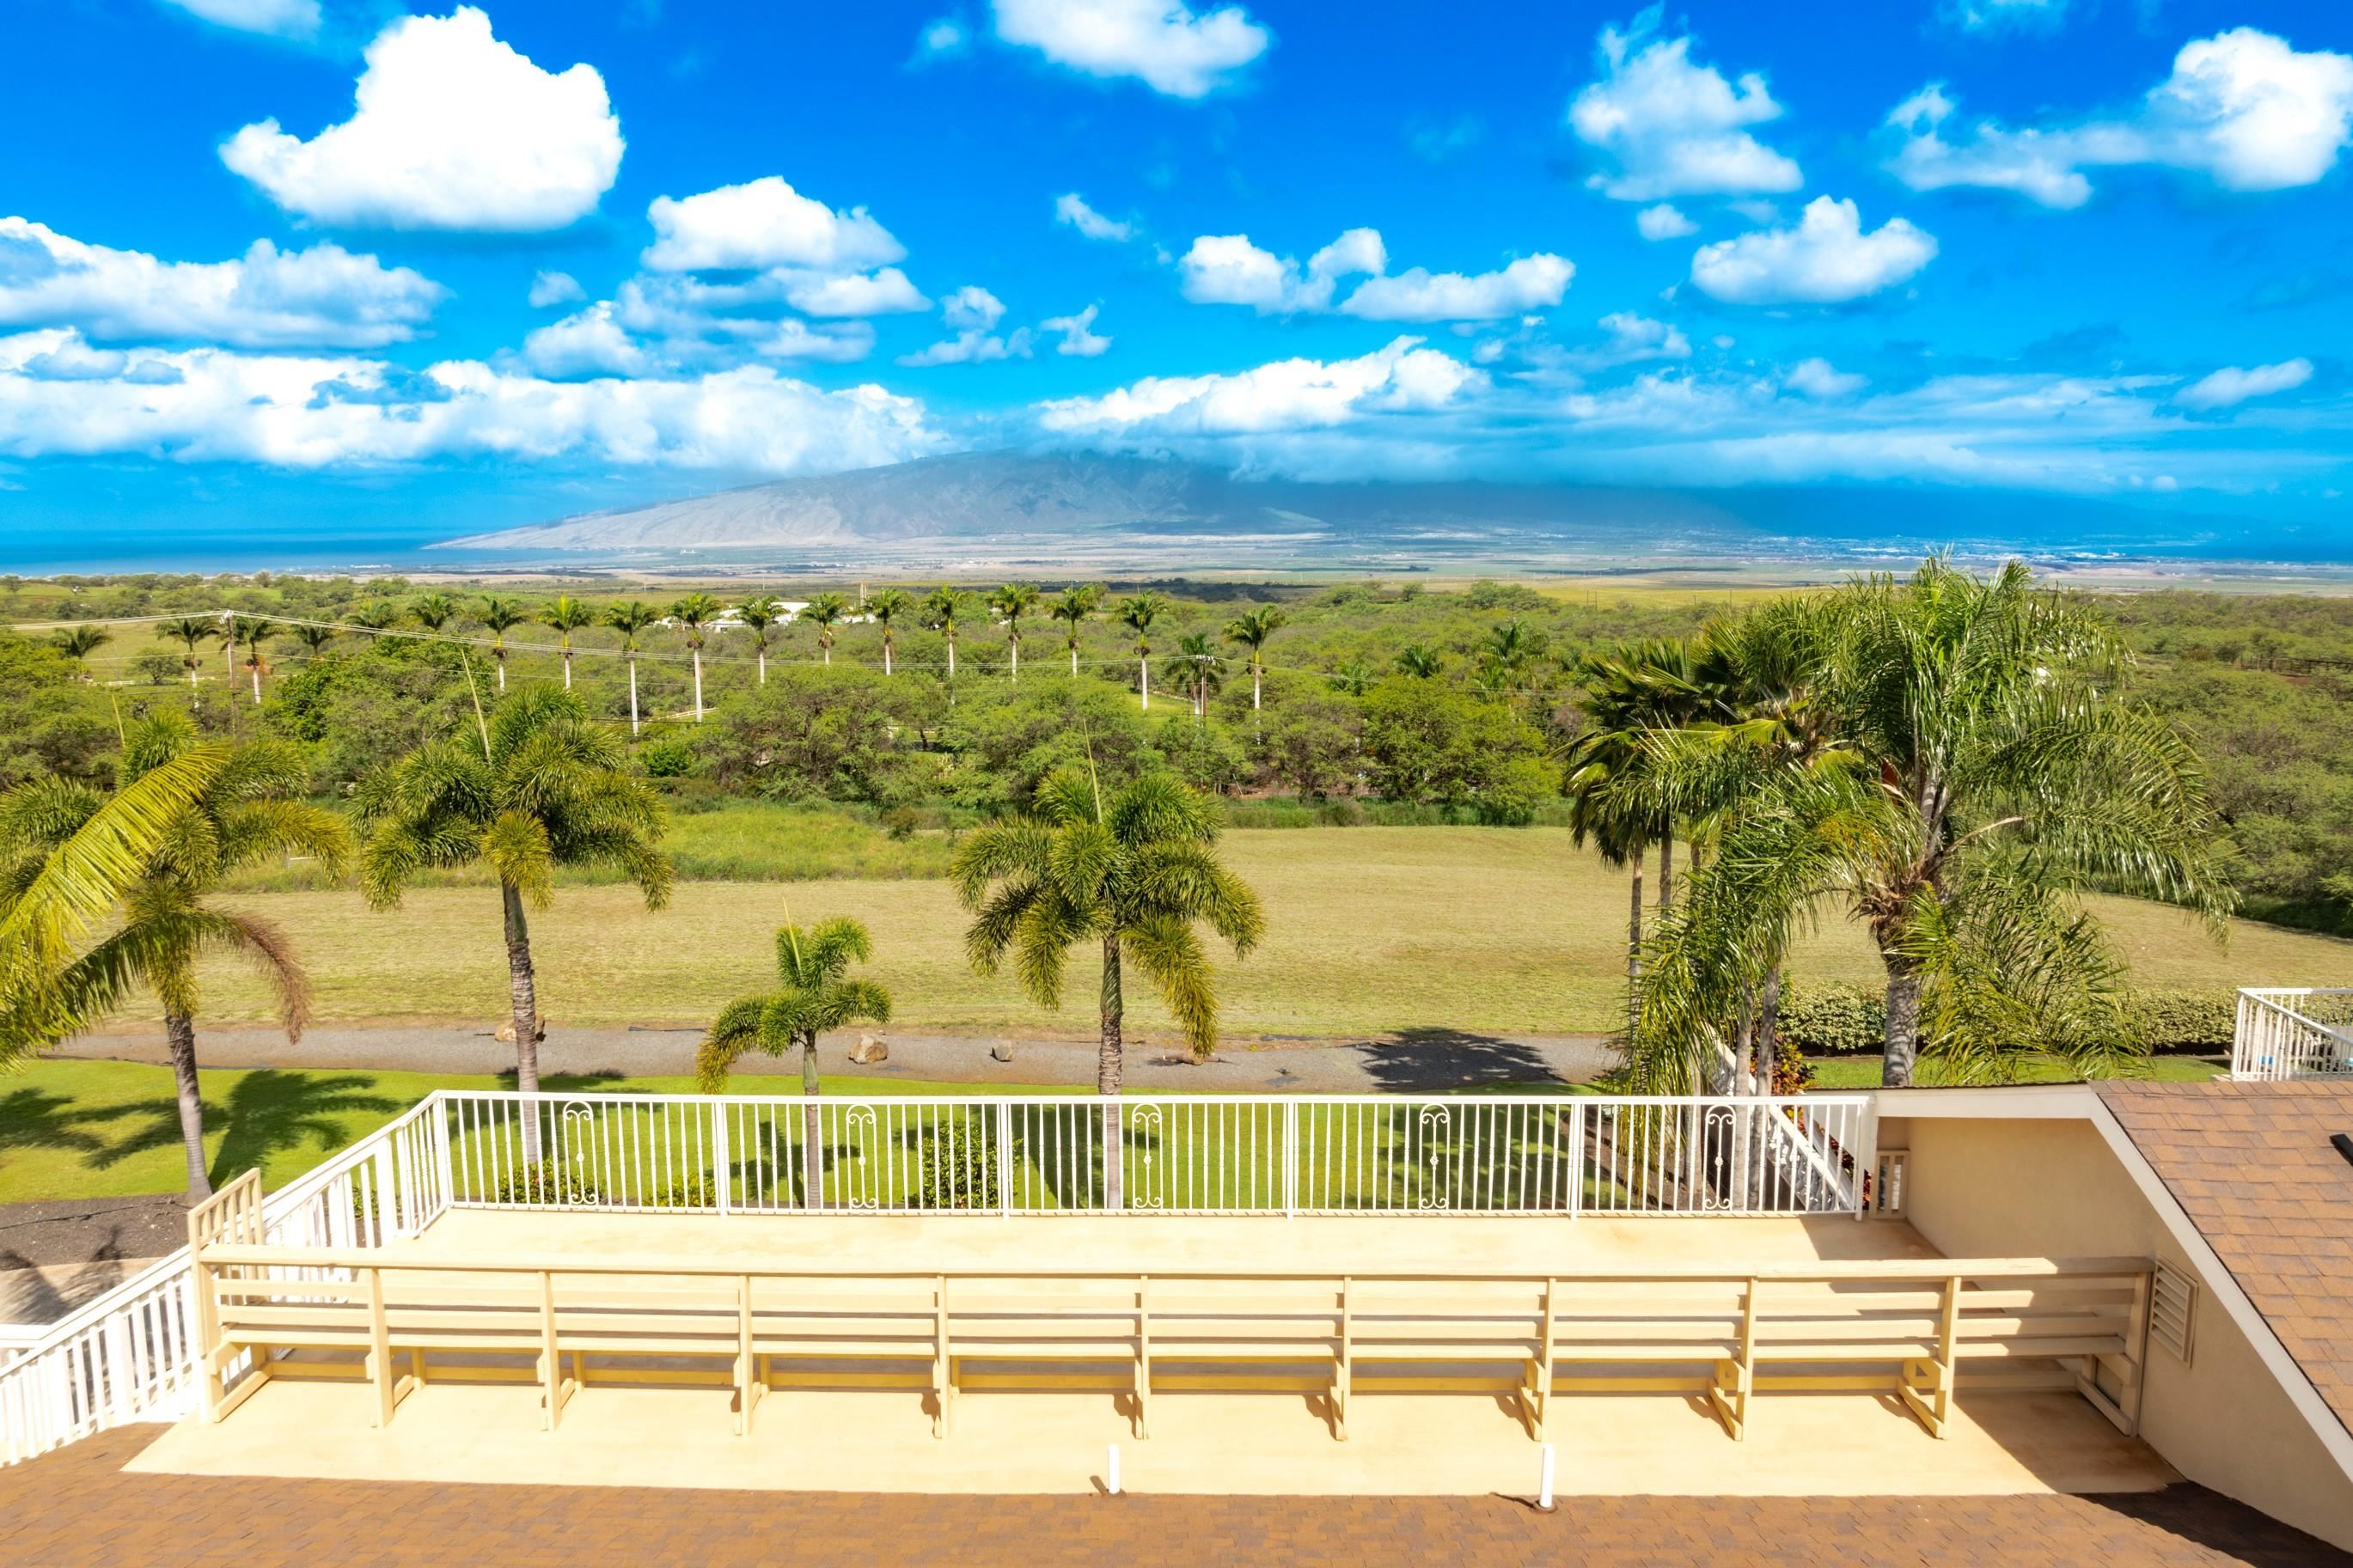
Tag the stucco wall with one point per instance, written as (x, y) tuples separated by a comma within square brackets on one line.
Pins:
[(1982, 1187)]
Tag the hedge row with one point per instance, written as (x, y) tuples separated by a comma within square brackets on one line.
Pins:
[(1831, 1020)]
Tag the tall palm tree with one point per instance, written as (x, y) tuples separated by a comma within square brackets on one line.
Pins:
[(501, 615), (375, 615), (825, 612), (314, 635), (695, 612), (1354, 677), (188, 631), (1199, 669), (1251, 629), (434, 611), (77, 643), (814, 993), (886, 607), (252, 631), (1009, 604), (1076, 604), (631, 620), (1137, 612), (568, 615), (760, 614), (1134, 874), (248, 811), (941, 607), (539, 787), (1985, 773), (1420, 660)]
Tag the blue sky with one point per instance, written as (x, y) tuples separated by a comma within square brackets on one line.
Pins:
[(336, 262)]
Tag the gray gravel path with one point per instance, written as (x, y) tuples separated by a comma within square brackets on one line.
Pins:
[(1412, 1060)]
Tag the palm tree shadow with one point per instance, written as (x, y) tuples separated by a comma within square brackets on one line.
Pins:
[(1424, 1059), (36, 1119), (267, 1113)]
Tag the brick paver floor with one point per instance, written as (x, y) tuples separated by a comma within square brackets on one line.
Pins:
[(78, 1509)]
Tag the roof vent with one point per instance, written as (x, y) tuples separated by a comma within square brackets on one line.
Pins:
[(2172, 1309), (2343, 1143)]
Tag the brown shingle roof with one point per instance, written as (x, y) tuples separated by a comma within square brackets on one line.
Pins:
[(2252, 1165)]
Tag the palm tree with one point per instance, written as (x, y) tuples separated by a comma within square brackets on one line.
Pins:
[(1200, 668), (567, 616), (1137, 612), (694, 612), (248, 810), (886, 607), (434, 611), (501, 615), (77, 643), (1420, 660), (1010, 604), (1354, 677), (940, 608), (631, 620), (1983, 772), (375, 615), (824, 612), (759, 613), (314, 635), (253, 631), (188, 631), (1077, 602), (814, 994), (1135, 874), (1251, 629), (545, 788)]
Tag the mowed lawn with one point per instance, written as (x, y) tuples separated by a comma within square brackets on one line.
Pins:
[(1369, 931)]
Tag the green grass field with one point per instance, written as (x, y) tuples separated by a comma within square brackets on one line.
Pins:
[(1370, 930)]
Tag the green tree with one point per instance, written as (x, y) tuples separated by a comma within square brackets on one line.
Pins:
[(251, 632), (567, 615), (1010, 604), (886, 607), (248, 810), (314, 635), (434, 611), (1137, 613), (1354, 678), (501, 615), (1251, 629), (695, 613), (375, 615), (825, 612), (545, 788), (188, 631), (814, 993), (1134, 874), (631, 620), (941, 608), (77, 643), (760, 614), (1073, 608), (1420, 660), (1199, 669)]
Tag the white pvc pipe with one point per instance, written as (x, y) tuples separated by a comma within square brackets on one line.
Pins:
[(1111, 1472), (1544, 1480)]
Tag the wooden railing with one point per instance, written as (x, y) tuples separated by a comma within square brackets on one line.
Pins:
[(2293, 1032), (1907, 1328)]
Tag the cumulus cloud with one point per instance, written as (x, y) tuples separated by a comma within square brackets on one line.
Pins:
[(972, 313), (588, 342), (1163, 43), (2232, 385), (764, 222), (2244, 108), (452, 129), (1819, 378), (1289, 395), (324, 294), (1079, 337), (1674, 128), (1632, 338), (1228, 269), (1999, 16), (880, 293), (1826, 260), (283, 19), (1530, 283), (1071, 208), (317, 411), (554, 289), (941, 38), (835, 342), (1663, 222)]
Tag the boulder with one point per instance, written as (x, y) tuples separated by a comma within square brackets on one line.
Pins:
[(506, 1030), (869, 1050), (1001, 1052)]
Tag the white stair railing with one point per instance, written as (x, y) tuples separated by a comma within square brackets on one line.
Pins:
[(2286, 1032)]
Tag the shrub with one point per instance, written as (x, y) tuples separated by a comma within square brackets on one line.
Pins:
[(2184, 1020), (669, 758), (956, 1165), (553, 1181), (1832, 1020)]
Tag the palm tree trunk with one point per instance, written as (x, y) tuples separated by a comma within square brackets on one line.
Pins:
[(567, 669), (503, 669), (1017, 661), (1634, 952), (1667, 870), (180, 1031), (1074, 659), (255, 673), (1903, 1040), (1768, 1030), (1108, 1064), (633, 694), (1255, 673), (812, 1126), (523, 995), (763, 664), (698, 686), (886, 654), (1144, 680)]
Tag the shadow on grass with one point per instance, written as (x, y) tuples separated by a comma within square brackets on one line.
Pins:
[(36, 1119), (1423, 1059), (266, 1112)]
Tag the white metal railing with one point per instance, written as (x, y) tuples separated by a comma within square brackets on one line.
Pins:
[(2293, 1032), (130, 1355), (1267, 1154)]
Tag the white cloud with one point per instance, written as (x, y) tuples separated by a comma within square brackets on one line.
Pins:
[(554, 289), (1632, 338), (1228, 269), (881, 293), (1529, 283), (1071, 208), (1820, 379), (1663, 222), (1079, 337), (1163, 43), (452, 129), (317, 411), (283, 19), (1827, 259), (941, 37), (972, 313), (2230, 385), (1675, 128), (267, 298), (2243, 107), (1289, 395), (764, 222), (835, 342), (972, 305), (588, 342), (1996, 16)]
